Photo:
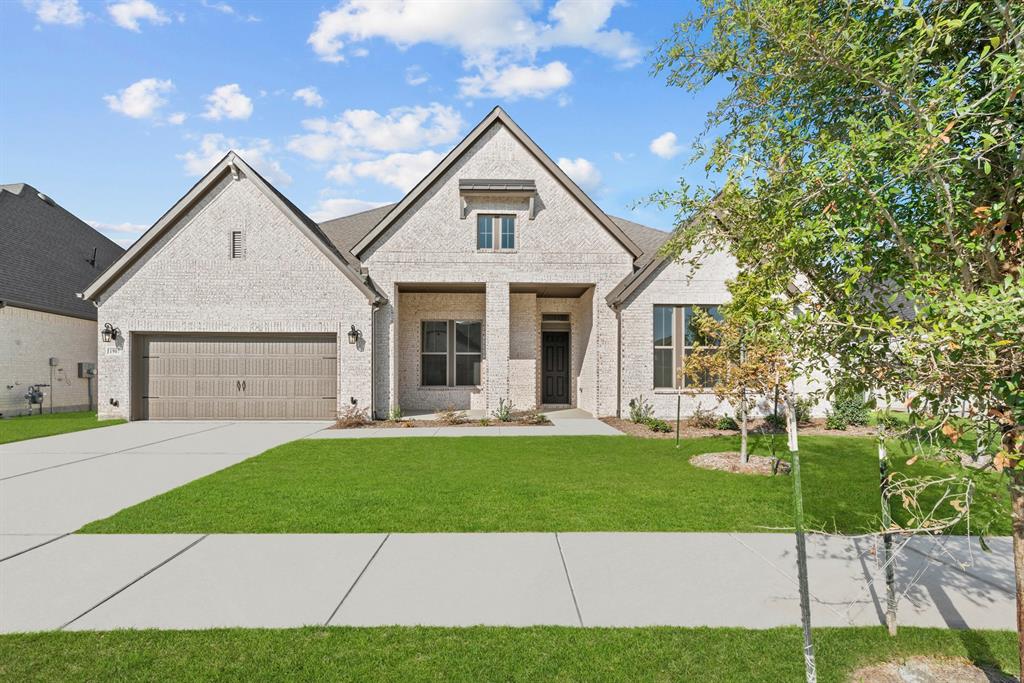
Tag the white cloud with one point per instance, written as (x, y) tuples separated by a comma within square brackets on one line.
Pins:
[(513, 82), (128, 14), (122, 233), (415, 75), (257, 153), (309, 96), (493, 36), (582, 171), (141, 99), (360, 52), (357, 132), (401, 170), (666, 145), (335, 207), (177, 118), (64, 12), (225, 8), (227, 102)]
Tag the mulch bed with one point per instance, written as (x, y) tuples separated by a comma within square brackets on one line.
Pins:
[(434, 424), (730, 462), (687, 431), (929, 670)]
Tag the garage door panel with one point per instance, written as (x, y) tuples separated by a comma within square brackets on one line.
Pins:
[(237, 377)]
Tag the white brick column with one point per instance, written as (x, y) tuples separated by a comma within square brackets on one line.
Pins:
[(496, 343)]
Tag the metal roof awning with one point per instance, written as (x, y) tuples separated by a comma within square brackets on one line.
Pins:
[(497, 186)]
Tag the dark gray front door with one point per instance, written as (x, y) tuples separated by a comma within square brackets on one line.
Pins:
[(555, 367)]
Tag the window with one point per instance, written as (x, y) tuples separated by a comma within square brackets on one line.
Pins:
[(237, 244), (450, 353), (491, 230), (675, 336)]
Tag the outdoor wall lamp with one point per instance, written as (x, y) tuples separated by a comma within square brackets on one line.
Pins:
[(354, 335), (110, 333)]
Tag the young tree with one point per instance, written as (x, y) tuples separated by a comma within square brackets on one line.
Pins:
[(872, 152)]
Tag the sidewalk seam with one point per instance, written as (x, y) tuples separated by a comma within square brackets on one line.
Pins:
[(37, 545), (134, 581), (568, 579), (360, 575)]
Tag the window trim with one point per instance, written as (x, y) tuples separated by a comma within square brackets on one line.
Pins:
[(450, 353), (680, 349), (497, 224)]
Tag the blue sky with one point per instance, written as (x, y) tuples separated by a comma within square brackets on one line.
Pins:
[(116, 108)]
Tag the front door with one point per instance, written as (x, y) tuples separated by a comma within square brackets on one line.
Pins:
[(555, 368)]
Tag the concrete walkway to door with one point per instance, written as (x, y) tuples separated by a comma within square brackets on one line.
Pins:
[(53, 485)]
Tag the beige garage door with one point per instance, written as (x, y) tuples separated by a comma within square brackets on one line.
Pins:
[(236, 377)]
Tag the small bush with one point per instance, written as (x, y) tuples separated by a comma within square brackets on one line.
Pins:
[(658, 425), (451, 416), (835, 421), (532, 417), (395, 414), (703, 419), (803, 410), (640, 411), (849, 405), (352, 417), (504, 411), (727, 422), (776, 423), (888, 420), (485, 422)]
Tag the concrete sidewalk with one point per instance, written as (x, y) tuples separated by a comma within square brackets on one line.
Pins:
[(578, 579)]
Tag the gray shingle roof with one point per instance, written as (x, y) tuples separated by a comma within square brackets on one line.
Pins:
[(346, 231), (45, 253)]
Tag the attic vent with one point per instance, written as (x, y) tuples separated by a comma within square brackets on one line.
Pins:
[(237, 244)]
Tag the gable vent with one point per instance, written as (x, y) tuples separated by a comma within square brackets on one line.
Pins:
[(237, 244)]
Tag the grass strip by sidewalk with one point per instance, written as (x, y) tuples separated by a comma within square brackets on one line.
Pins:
[(480, 653), (34, 426), (464, 484)]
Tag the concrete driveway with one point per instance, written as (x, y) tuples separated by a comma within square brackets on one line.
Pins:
[(53, 485)]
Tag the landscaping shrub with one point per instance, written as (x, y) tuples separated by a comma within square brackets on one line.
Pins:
[(532, 417), (888, 420), (803, 409), (849, 405), (451, 416), (485, 422), (703, 419), (727, 422), (835, 421), (658, 425), (776, 423), (353, 417), (504, 411), (640, 411)]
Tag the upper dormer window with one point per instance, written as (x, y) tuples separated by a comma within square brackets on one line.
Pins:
[(495, 232)]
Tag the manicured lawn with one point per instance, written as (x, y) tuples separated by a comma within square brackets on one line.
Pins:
[(34, 426), (478, 654), (517, 484)]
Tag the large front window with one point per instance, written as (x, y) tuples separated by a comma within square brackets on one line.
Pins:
[(675, 337), (450, 353)]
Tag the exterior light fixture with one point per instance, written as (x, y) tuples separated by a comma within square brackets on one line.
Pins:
[(354, 335), (110, 333)]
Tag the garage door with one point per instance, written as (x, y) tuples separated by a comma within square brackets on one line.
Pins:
[(221, 377)]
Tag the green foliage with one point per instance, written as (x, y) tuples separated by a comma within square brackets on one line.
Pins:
[(775, 422), (727, 422), (849, 407), (804, 405), (47, 424), (889, 420), (504, 411), (658, 425), (395, 414), (835, 421), (703, 418), (640, 410)]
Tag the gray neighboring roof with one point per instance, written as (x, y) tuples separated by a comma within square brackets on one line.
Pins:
[(45, 252), (232, 163), (648, 239)]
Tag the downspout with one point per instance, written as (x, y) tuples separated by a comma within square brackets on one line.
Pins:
[(374, 307), (618, 362)]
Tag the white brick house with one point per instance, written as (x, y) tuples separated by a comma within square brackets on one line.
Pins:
[(495, 278)]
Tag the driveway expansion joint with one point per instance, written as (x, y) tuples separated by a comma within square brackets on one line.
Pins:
[(37, 545), (359, 576), (568, 579)]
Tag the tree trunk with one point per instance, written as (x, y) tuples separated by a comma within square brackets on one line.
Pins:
[(744, 457), (888, 559), (1017, 513), (810, 668)]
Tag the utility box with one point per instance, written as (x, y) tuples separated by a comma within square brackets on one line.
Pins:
[(86, 370), (54, 362)]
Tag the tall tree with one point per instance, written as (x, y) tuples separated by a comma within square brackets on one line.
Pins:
[(870, 152)]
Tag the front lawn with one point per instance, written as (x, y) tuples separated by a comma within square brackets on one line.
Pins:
[(518, 484), (479, 654), (33, 426)]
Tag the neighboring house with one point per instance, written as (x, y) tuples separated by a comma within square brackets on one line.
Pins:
[(46, 331), (495, 278)]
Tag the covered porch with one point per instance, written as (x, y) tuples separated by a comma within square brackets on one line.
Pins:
[(470, 346)]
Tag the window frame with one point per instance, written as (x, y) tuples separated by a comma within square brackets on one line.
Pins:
[(681, 314), (497, 231), (450, 353)]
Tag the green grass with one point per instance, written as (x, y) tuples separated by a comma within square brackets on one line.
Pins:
[(34, 426), (479, 654), (519, 484)]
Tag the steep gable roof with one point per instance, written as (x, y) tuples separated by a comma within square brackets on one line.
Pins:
[(233, 163), (495, 117), (46, 254)]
